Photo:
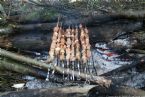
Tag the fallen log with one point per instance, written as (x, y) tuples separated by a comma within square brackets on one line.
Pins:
[(74, 91), (95, 79), (38, 38), (115, 91), (88, 21), (11, 65)]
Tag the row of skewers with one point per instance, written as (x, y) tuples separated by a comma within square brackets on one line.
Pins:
[(70, 45)]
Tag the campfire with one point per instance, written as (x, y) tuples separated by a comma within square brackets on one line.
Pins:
[(72, 48)]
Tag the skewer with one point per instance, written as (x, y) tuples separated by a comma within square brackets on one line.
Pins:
[(57, 47), (52, 47), (67, 63), (48, 75), (68, 48), (53, 44), (73, 77), (73, 58), (78, 66), (85, 70), (63, 70), (55, 64)]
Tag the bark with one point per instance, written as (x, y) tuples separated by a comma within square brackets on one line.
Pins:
[(95, 79), (74, 91), (115, 91), (22, 68)]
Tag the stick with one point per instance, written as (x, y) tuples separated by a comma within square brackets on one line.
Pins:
[(95, 79)]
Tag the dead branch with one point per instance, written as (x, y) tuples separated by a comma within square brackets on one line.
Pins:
[(96, 79)]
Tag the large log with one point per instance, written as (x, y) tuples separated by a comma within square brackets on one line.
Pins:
[(87, 21), (37, 38), (95, 79), (75, 91)]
